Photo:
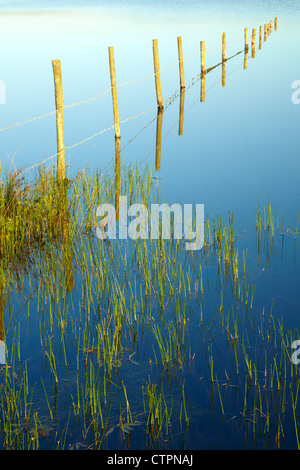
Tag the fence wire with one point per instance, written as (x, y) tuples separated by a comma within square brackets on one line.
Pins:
[(167, 102), (88, 100)]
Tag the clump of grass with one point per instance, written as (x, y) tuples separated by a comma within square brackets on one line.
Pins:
[(173, 345), (157, 413), (32, 213)]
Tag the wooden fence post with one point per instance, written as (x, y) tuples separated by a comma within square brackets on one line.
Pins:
[(56, 65), (253, 42), (114, 92), (260, 36), (159, 97), (180, 58), (265, 33), (203, 65), (246, 39), (276, 19), (223, 47)]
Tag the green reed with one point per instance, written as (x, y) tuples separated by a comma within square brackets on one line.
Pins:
[(100, 303)]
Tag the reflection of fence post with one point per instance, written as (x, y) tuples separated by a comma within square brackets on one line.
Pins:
[(246, 59), (160, 102), (253, 42), (114, 91), (223, 47), (202, 49), (180, 58), (202, 96), (246, 39), (181, 111), (56, 64), (159, 122), (223, 73)]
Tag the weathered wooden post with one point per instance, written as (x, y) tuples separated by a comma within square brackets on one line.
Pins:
[(223, 59), (253, 42), (276, 19), (56, 65), (202, 50), (180, 59), (271, 26), (265, 33), (223, 47), (159, 97), (114, 93), (260, 37), (246, 39)]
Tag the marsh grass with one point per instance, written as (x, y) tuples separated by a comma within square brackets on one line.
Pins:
[(109, 312)]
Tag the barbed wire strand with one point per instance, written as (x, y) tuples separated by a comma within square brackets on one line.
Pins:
[(193, 80), (42, 116), (168, 101), (123, 121)]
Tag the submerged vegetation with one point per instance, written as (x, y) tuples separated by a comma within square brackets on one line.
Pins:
[(137, 344)]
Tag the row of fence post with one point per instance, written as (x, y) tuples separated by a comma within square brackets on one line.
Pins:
[(268, 28)]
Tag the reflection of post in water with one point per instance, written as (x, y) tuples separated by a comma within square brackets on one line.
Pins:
[(223, 73), (117, 176), (2, 329), (181, 111), (159, 122), (245, 59), (203, 82)]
